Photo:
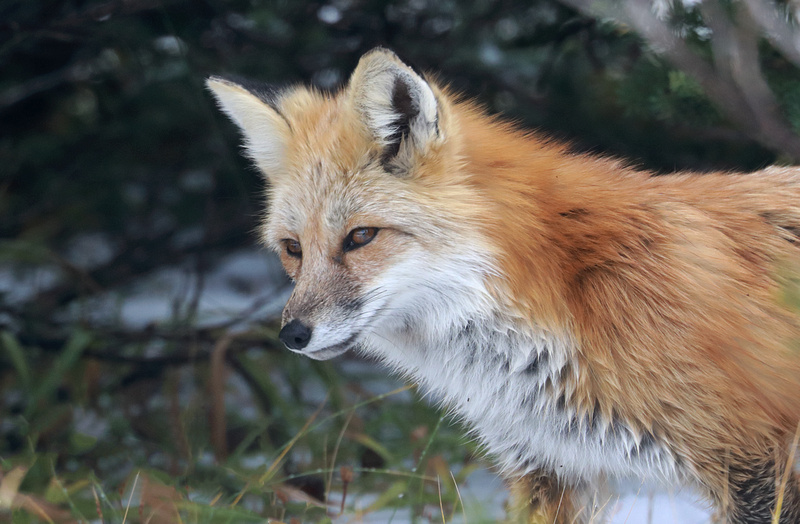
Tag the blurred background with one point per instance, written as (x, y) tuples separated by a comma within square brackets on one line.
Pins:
[(140, 377)]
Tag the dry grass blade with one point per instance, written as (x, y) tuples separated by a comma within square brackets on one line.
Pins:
[(788, 470), (347, 477), (441, 506), (97, 505), (9, 486), (460, 500), (46, 511), (293, 494), (292, 442), (336, 452), (638, 491), (11, 499), (130, 497)]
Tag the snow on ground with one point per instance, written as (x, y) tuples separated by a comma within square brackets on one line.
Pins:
[(485, 496), (660, 507), (247, 285)]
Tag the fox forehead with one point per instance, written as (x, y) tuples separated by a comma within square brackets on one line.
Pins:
[(325, 130), (325, 172), (324, 201)]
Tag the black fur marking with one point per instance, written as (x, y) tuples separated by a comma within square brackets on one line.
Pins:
[(533, 367), (572, 427), (575, 214), (467, 335), (616, 428), (790, 232), (647, 442), (537, 363), (403, 105), (561, 402), (754, 492), (793, 234), (594, 417)]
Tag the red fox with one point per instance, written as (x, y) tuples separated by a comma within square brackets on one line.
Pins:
[(587, 320)]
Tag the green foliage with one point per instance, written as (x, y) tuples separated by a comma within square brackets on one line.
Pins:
[(785, 82), (98, 450), (653, 90)]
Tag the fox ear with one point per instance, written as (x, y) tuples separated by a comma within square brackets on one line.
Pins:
[(255, 111), (398, 106)]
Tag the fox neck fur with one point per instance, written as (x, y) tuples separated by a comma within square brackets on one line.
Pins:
[(511, 388)]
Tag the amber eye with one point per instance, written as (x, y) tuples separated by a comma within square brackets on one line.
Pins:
[(359, 237), (293, 248)]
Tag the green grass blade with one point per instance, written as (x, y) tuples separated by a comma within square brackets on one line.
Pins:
[(66, 359), (17, 357)]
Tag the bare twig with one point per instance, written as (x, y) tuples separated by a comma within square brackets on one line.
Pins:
[(783, 36), (177, 428), (138, 257), (216, 386), (735, 46), (20, 92)]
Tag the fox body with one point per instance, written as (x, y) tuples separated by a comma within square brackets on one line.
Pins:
[(588, 321)]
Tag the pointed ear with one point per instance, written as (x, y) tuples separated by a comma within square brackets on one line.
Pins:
[(256, 112), (398, 106)]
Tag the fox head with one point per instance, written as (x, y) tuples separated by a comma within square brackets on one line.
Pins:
[(368, 205)]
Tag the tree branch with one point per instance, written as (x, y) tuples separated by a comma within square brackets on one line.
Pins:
[(726, 86), (735, 46), (783, 36)]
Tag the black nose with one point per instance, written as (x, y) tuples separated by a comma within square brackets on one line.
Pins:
[(295, 335)]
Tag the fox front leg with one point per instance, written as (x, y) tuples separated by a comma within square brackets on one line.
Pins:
[(538, 498)]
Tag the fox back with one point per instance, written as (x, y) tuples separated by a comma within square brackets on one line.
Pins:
[(585, 319)]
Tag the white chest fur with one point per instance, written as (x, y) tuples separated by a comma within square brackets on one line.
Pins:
[(496, 380)]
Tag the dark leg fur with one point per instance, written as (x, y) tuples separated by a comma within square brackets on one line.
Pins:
[(754, 492)]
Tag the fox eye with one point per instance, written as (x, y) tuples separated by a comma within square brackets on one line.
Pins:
[(293, 248), (359, 237)]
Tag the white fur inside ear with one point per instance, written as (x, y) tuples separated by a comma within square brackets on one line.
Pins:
[(266, 132), (394, 99)]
